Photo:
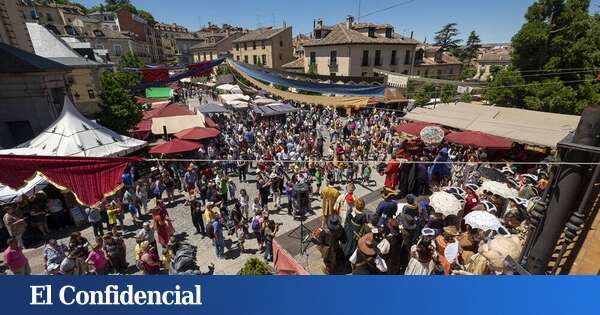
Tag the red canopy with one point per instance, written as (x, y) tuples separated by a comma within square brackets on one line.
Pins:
[(479, 139), (175, 146), (197, 133), (90, 179), (209, 122), (413, 128), (168, 110)]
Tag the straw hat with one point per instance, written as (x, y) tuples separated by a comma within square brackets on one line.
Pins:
[(366, 245), (359, 205), (451, 230)]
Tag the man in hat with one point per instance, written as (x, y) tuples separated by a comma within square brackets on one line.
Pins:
[(329, 245), (395, 256), (391, 172), (329, 195), (528, 189), (387, 207), (367, 262)]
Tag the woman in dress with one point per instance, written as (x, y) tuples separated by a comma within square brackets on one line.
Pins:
[(161, 226), (353, 225), (421, 261)]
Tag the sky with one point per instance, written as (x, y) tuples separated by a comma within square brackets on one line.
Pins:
[(494, 20)]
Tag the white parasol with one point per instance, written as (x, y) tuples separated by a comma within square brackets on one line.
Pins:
[(451, 252), (497, 188), (483, 220), (445, 203), (432, 135)]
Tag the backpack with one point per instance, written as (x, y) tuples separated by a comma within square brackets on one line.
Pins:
[(255, 224), (210, 230)]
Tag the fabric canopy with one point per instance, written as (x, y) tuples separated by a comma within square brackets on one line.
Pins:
[(346, 102), (155, 74), (230, 88), (90, 179), (200, 69), (74, 135), (10, 195), (212, 108), (197, 133), (176, 124), (324, 88), (159, 92), (274, 109), (175, 146), (479, 139), (413, 128)]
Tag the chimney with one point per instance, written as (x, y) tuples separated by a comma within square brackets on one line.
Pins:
[(320, 22), (349, 21)]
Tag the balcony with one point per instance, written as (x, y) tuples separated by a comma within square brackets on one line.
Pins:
[(333, 67)]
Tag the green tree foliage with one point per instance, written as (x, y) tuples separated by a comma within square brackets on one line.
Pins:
[(254, 267), (281, 87), (472, 47), (114, 5), (557, 52), (446, 37), (448, 93), (466, 98), (506, 89), (312, 69), (468, 72), (424, 94), (118, 110)]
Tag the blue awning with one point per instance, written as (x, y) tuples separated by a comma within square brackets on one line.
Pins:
[(323, 88)]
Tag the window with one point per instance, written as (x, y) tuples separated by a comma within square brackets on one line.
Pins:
[(118, 50), (333, 74), (264, 59), (280, 43), (255, 59), (237, 47), (246, 59), (313, 57), (237, 58), (245, 46), (407, 57), (49, 17), (371, 32), (388, 32), (253, 45), (333, 57), (365, 58), (91, 94), (378, 57), (71, 30), (115, 28), (263, 44), (393, 59), (204, 56), (418, 72)]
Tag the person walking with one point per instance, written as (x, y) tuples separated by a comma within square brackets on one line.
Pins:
[(15, 224), (196, 214), (218, 237), (95, 220)]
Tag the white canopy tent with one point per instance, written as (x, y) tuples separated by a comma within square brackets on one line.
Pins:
[(74, 135), (229, 88), (70, 135), (225, 98)]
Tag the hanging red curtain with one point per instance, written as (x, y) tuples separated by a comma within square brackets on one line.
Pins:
[(201, 67), (89, 178), (158, 74)]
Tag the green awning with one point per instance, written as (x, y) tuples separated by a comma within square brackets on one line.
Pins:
[(159, 92)]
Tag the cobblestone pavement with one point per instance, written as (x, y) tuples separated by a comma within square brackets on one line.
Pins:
[(184, 229)]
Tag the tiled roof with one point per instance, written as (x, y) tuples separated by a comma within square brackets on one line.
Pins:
[(15, 60), (504, 56), (260, 34), (298, 63), (365, 25), (340, 35), (447, 59)]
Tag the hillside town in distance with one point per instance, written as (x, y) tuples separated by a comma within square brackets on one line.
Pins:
[(130, 145)]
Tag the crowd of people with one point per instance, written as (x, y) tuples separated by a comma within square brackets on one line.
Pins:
[(321, 148)]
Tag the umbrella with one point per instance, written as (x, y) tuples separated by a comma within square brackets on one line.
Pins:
[(445, 203), (432, 135), (492, 174), (413, 128), (497, 188), (197, 133), (480, 140), (175, 146), (482, 220)]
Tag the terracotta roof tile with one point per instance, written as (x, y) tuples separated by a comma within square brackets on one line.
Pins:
[(260, 34), (340, 35)]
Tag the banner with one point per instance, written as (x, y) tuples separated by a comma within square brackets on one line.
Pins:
[(263, 295)]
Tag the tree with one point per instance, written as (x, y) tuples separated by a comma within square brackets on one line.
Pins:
[(472, 47), (424, 94), (446, 37), (254, 267), (312, 69), (506, 89), (468, 72), (466, 97), (448, 93), (556, 52), (118, 111)]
